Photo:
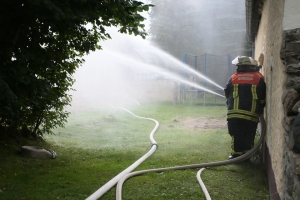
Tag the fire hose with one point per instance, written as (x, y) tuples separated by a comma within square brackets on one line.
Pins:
[(123, 176), (203, 165)]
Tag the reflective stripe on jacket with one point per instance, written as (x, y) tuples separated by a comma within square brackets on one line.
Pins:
[(245, 93)]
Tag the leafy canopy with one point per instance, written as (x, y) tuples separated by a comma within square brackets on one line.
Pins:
[(42, 44)]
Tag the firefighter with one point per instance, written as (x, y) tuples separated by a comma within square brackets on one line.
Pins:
[(245, 93)]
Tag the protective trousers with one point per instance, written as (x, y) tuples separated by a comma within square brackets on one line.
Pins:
[(243, 133)]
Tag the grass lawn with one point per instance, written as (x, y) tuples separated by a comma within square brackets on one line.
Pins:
[(96, 145)]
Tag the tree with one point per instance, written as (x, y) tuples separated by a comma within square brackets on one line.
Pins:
[(42, 44)]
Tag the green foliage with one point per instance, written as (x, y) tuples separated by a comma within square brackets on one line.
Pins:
[(42, 44)]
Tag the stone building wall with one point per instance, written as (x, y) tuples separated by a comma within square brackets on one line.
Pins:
[(290, 55), (281, 100)]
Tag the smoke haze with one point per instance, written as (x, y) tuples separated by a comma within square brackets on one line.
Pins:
[(129, 68)]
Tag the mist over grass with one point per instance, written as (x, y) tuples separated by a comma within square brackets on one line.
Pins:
[(117, 139), (96, 145)]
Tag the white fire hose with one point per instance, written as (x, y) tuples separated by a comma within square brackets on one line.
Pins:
[(123, 176), (114, 181)]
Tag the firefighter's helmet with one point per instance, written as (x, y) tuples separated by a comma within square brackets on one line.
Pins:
[(244, 60)]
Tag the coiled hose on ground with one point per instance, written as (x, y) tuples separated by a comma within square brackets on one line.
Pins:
[(203, 165), (123, 176)]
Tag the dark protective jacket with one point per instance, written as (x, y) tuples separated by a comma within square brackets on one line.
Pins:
[(245, 93)]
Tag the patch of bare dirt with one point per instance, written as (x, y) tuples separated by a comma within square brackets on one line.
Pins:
[(200, 123)]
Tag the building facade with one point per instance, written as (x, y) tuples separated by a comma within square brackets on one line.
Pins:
[(273, 26)]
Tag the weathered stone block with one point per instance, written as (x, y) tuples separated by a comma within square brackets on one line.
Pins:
[(293, 82), (287, 123), (293, 69), (294, 47), (296, 106), (297, 162), (292, 35), (290, 98)]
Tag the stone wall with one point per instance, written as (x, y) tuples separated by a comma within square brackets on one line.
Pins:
[(290, 55), (282, 73)]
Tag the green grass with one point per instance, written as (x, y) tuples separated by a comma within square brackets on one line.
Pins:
[(97, 145)]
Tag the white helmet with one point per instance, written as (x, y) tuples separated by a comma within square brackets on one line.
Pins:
[(244, 60), (254, 62)]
